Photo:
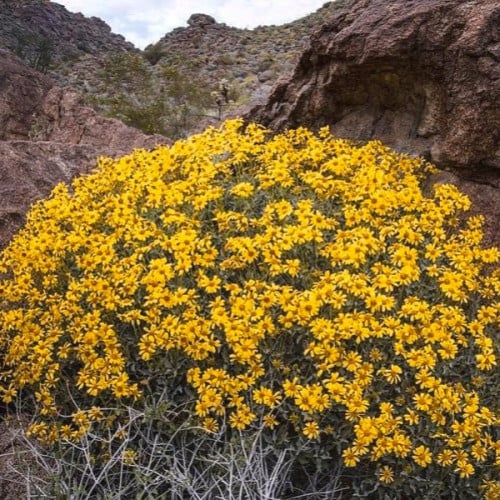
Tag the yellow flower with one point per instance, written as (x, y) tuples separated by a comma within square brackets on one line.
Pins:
[(386, 474), (350, 457), (210, 424), (311, 398), (209, 400), (445, 458), (486, 360), (479, 452), (393, 374), (400, 444), (422, 456), (352, 361), (129, 456), (243, 189), (311, 430), (266, 396), (241, 418), (356, 406), (9, 394), (269, 421), (464, 468), (423, 401), (366, 430), (491, 490)]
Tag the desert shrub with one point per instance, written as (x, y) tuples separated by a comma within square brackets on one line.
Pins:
[(153, 53), (189, 100), (36, 50), (128, 93), (225, 59), (265, 62), (306, 288), (125, 68)]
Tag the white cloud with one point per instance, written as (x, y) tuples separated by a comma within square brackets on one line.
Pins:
[(147, 21)]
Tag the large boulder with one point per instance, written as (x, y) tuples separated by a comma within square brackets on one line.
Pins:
[(422, 76), (200, 20), (47, 136)]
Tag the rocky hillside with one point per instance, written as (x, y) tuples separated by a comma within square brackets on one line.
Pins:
[(233, 69), (195, 76), (46, 35), (83, 54), (249, 60)]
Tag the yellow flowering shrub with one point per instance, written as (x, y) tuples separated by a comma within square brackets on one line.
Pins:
[(297, 282)]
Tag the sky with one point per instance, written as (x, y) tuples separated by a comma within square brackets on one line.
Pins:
[(145, 21)]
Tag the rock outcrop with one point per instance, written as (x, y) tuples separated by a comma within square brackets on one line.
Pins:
[(46, 137), (21, 92), (422, 76), (200, 20)]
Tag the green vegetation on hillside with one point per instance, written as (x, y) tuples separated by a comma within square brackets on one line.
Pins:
[(157, 100)]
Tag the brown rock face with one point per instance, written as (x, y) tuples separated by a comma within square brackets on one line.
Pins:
[(21, 91), (47, 137), (423, 76)]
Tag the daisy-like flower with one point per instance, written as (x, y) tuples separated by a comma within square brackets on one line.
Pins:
[(386, 474), (311, 430), (422, 456)]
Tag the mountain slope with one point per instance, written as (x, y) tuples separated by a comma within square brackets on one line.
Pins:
[(45, 33), (123, 82)]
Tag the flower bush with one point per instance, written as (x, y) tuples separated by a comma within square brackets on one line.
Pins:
[(297, 283)]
